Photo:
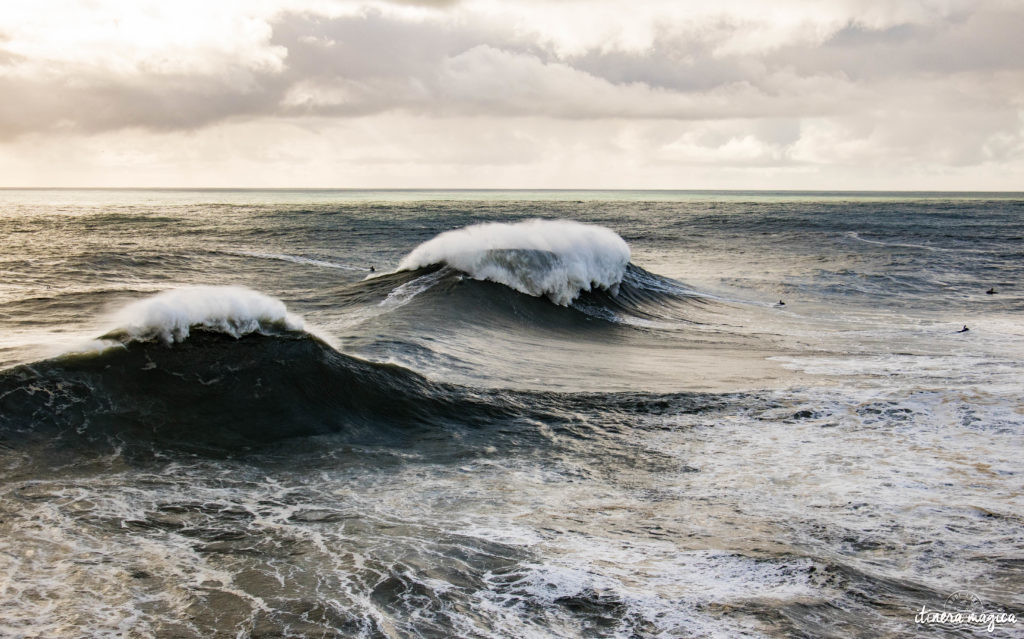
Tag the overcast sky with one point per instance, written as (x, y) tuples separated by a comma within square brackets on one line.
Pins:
[(781, 94)]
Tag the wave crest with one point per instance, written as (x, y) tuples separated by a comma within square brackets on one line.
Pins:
[(234, 310), (554, 258)]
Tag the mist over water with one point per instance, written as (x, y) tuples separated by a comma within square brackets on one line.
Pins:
[(336, 414)]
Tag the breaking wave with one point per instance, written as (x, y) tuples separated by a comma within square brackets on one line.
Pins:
[(233, 310), (556, 259)]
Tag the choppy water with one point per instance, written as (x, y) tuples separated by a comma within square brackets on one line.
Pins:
[(216, 421)]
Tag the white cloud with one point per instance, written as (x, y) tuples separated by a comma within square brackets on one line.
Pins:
[(65, 38)]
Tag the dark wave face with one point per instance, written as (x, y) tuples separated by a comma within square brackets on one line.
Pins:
[(215, 390), (220, 394), (474, 331), (493, 415), (643, 295), (640, 295)]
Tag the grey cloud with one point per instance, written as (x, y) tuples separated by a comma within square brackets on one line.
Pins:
[(99, 103), (980, 42), (399, 65), (386, 58), (354, 66), (983, 42)]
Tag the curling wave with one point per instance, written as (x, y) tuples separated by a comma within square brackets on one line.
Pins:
[(553, 258), (233, 310)]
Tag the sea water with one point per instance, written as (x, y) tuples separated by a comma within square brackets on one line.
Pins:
[(509, 414)]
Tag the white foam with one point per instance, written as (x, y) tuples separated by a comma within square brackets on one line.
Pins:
[(296, 259), (234, 310), (406, 292), (856, 236), (555, 258)]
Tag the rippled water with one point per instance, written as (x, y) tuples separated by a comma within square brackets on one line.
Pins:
[(430, 455)]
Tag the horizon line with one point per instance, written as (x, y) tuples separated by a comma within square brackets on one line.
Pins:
[(493, 189)]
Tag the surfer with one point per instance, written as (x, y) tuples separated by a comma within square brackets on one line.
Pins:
[(372, 270), (964, 329), (990, 291), (781, 303)]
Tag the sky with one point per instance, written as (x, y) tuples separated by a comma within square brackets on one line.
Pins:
[(644, 94)]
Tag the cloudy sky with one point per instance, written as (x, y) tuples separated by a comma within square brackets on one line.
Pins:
[(815, 94)]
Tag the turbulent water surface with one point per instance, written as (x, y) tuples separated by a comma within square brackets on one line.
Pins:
[(509, 414)]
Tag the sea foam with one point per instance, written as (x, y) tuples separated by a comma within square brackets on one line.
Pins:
[(234, 310), (556, 258)]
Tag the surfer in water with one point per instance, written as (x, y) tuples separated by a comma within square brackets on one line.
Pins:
[(964, 329), (991, 291)]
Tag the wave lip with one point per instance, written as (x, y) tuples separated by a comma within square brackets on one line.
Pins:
[(234, 310), (554, 258)]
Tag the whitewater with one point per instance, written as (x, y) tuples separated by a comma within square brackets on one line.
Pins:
[(507, 414), (559, 259)]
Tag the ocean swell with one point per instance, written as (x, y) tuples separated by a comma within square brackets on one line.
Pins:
[(553, 258), (219, 368), (216, 391)]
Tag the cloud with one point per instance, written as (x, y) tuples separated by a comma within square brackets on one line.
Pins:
[(417, 151), (368, 60), (781, 86)]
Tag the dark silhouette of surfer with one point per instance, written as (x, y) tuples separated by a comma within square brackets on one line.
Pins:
[(372, 269), (991, 291), (964, 329), (781, 303)]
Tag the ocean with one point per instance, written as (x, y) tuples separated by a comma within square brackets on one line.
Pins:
[(510, 413)]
